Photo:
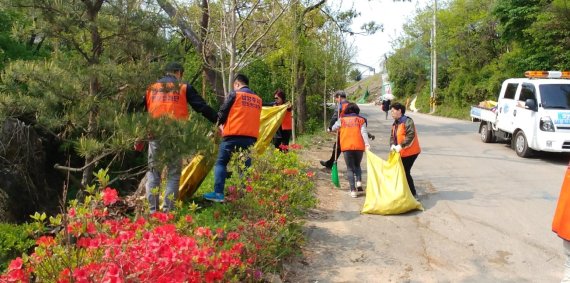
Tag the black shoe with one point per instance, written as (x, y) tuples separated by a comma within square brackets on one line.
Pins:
[(359, 186), (326, 164)]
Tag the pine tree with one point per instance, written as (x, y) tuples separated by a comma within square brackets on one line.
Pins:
[(103, 55)]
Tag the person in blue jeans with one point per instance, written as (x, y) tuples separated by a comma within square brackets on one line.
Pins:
[(169, 96), (239, 119)]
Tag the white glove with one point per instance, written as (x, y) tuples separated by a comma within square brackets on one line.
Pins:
[(367, 147), (397, 148)]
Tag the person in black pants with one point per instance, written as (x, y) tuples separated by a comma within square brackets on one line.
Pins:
[(340, 97), (386, 106), (404, 139)]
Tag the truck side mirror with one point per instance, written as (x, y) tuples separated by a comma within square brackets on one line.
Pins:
[(531, 104)]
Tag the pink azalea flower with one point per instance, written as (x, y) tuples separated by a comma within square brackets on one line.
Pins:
[(45, 241), (16, 264), (284, 197), (189, 219), (233, 236), (295, 146), (110, 196)]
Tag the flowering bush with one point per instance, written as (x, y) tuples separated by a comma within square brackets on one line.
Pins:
[(232, 242), (14, 240)]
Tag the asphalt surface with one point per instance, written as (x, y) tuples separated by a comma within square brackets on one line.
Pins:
[(487, 215)]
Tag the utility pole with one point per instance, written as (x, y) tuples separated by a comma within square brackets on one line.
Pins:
[(433, 88)]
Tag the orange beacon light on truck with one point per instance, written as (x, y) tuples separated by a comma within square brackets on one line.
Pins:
[(547, 74)]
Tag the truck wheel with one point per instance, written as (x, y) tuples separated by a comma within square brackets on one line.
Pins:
[(521, 145), (486, 133)]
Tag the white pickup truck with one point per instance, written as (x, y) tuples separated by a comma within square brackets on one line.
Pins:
[(533, 113)]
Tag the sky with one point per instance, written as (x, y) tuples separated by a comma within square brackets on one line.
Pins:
[(371, 49)]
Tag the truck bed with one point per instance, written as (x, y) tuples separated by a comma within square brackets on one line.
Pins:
[(479, 114)]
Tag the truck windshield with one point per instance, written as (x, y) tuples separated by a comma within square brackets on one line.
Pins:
[(555, 96)]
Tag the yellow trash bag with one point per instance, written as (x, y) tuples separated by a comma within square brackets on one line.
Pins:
[(193, 174), (271, 119), (387, 190), (198, 168), (488, 104)]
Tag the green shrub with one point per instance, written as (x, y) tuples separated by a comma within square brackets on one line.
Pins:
[(14, 240), (237, 241)]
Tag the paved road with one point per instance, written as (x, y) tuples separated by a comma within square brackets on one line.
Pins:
[(487, 216)]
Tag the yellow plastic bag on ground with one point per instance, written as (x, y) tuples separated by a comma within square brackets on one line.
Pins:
[(198, 168), (387, 190)]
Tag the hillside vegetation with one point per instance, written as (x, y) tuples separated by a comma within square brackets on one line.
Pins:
[(479, 44), (371, 83)]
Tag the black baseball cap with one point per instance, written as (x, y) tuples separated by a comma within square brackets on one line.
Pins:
[(174, 67), (340, 93)]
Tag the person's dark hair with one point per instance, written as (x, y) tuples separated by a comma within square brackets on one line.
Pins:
[(340, 93), (242, 79), (174, 67), (398, 106), (352, 108), (280, 93)]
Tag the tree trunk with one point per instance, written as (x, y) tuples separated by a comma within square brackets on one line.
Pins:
[(214, 78), (93, 9), (301, 102), (91, 129), (299, 80)]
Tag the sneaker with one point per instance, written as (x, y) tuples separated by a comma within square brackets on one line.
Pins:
[(353, 194), (359, 188), (215, 197)]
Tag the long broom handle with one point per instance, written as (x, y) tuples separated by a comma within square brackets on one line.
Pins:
[(337, 142)]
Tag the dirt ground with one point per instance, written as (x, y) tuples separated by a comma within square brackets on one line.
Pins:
[(472, 229), (329, 208)]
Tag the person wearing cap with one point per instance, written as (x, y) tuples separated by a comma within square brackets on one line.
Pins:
[(340, 97), (239, 119), (170, 97), (283, 134)]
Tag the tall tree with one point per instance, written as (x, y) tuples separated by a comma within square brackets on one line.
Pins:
[(232, 34), (102, 51)]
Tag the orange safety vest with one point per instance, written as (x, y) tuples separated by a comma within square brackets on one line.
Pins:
[(287, 123), (350, 135), (561, 221), (244, 116), (167, 99), (343, 105), (400, 134)]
